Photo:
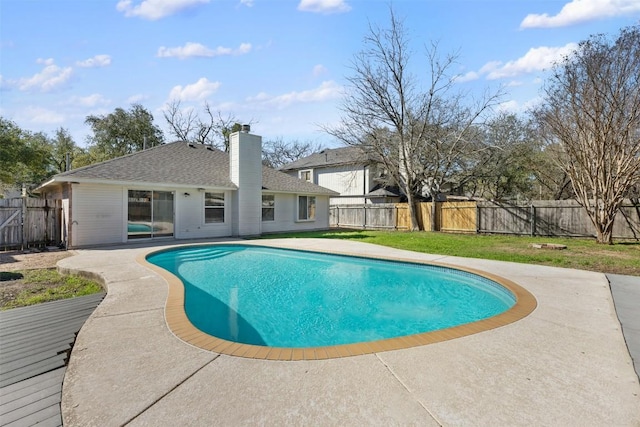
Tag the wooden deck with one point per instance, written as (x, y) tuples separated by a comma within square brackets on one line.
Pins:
[(35, 343)]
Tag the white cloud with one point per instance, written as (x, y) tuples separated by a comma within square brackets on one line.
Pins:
[(536, 59), (191, 50), (88, 101), (516, 107), (247, 3), (137, 98), (96, 61), (49, 79), (577, 11), (156, 9), (319, 70), (39, 115), (467, 77), (326, 91), (324, 6), (197, 91)]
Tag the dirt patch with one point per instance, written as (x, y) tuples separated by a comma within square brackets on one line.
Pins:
[(26, 260), (11, 283)]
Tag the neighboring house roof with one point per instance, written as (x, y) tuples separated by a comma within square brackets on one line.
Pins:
[(332, 157), (383, 191), (181, 164)]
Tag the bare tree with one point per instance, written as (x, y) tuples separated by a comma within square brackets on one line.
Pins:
[(277, 152), (592, 110), (420, 134), (182, 123), (212, 128), (499, 167)]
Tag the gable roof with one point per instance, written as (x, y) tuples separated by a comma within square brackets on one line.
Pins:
[(333, 157), (180, 164)]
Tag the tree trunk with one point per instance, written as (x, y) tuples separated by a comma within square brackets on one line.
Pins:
[(433, 213), (601, 220), (412, 212), (604, 236)]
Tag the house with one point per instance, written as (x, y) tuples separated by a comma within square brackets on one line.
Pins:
[(350, 171), (184, 191)]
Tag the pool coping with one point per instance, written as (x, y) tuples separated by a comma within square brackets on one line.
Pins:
[(180, 325)]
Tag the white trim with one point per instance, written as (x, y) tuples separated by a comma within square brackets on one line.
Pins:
[(139, 184)]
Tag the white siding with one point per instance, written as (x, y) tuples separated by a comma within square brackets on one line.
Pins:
[(348, 200), (246, 173), (98, 215), (189, 218), (346, 180), (286, 215)]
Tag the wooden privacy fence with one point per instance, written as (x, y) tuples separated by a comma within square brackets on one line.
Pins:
[(553, 218), (539, 218), (450, 216), (383, 215), (28, 222)]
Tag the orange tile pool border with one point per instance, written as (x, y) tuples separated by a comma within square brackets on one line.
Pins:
[(181, 327)]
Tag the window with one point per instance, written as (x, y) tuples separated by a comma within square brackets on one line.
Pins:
[(306, 208), (305, 175), (213, 207), (268, 207)]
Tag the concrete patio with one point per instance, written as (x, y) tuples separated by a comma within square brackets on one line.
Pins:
[(566, 364)]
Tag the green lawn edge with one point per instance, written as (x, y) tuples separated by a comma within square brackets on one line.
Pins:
[(581, 253)]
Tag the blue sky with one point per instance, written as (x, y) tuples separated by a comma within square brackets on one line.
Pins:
[(278, 63)]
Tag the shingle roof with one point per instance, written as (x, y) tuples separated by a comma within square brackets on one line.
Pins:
[(180, 163), (276, 181), (332, 157)]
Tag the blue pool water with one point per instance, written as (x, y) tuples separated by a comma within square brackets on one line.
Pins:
[(138, 228), (287, 298)]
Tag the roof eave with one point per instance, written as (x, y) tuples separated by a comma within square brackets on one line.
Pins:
[(80, 180)]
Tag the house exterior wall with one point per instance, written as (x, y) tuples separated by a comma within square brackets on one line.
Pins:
[(353, 182), (98, 215), (286, 211), (189, 216), (346, 180)]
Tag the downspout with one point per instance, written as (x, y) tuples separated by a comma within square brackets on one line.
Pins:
[(364, 184), (68, 243)]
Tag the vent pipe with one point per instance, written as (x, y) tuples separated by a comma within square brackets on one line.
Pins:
[(245, 128)]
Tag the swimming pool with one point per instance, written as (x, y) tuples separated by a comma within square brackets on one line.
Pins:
[(285, 298)]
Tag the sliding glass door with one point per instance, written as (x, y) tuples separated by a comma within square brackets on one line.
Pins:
[(150, 214)]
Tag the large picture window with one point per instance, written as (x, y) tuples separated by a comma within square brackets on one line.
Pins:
[(213, 207), (306, 208), (268, 207)]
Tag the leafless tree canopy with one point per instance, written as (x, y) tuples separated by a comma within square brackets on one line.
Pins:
[(420, 133), (592, 110), (212, 128), (277, 152)]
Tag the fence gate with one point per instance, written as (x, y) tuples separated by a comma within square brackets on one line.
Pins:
[(25, 222)]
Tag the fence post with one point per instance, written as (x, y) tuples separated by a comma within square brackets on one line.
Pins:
[(23, 219), (395, 217), (364, 213), (533, 220)]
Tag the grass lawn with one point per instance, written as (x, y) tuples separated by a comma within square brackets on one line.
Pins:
[(28, 287), (583, 254)]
